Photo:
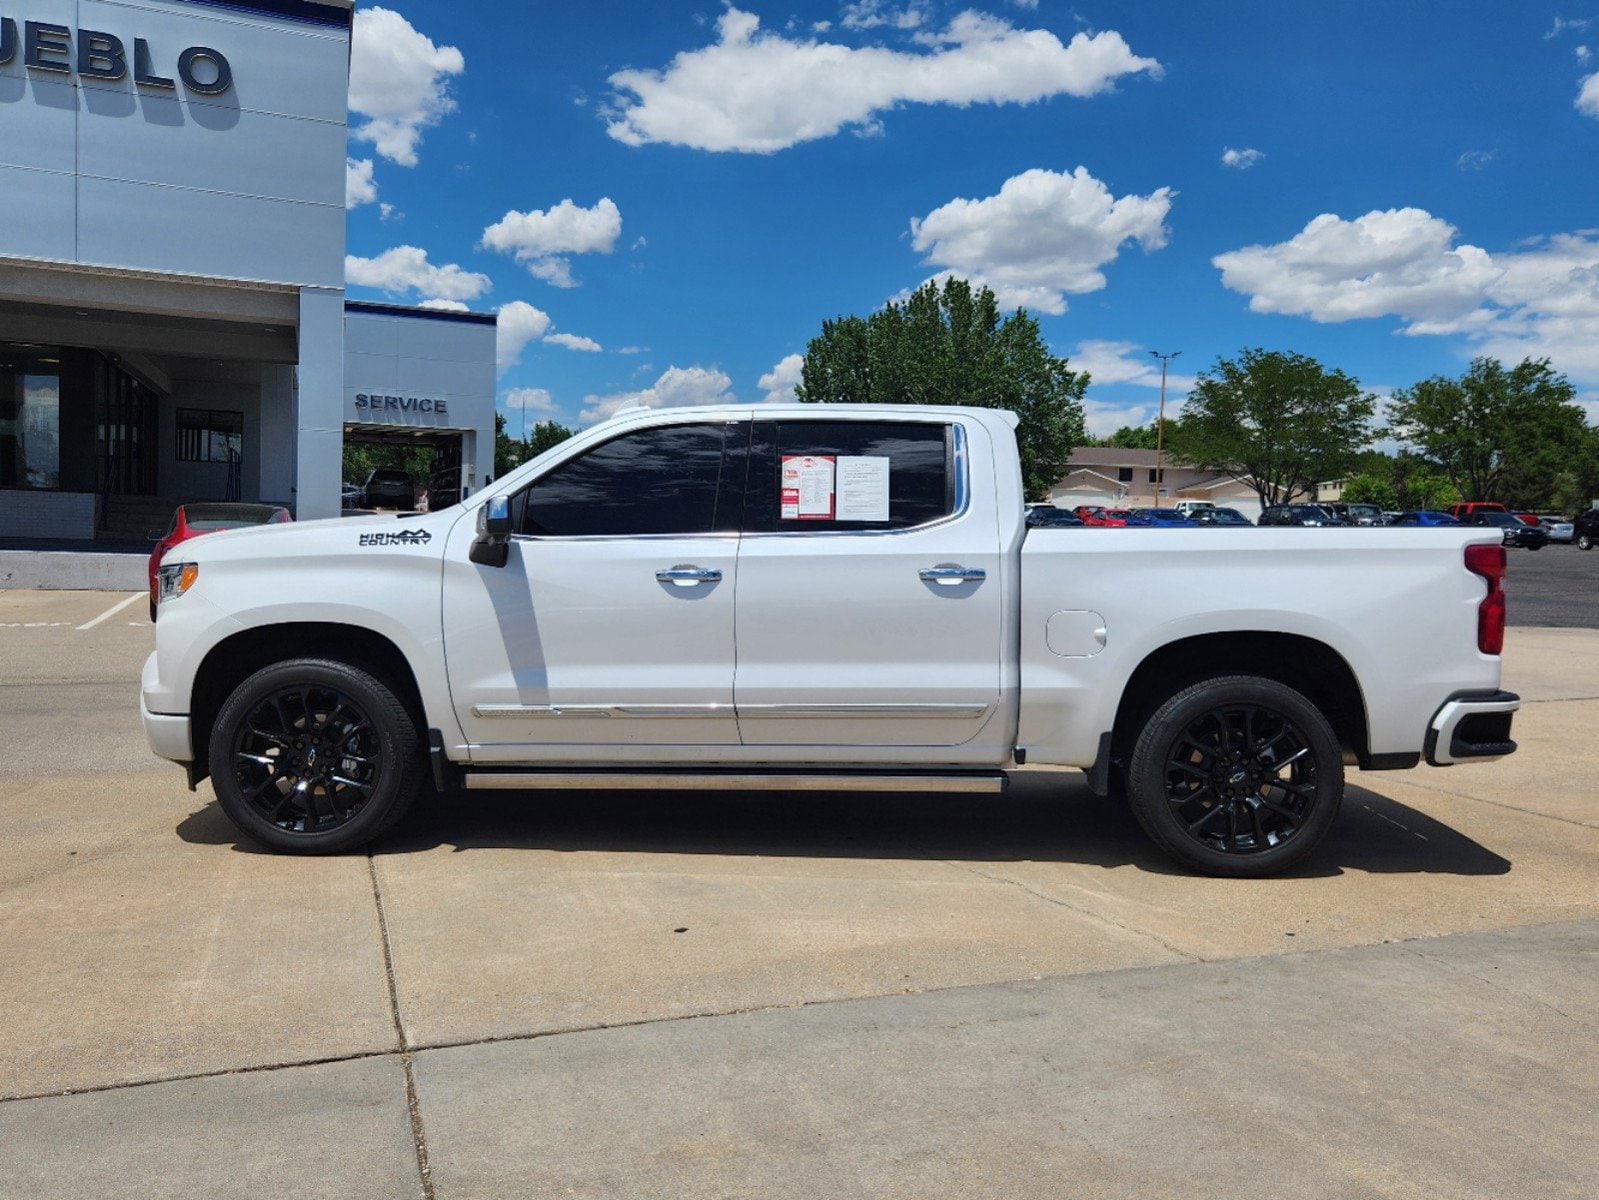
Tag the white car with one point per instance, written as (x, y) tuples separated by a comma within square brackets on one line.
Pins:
[(802, 597)]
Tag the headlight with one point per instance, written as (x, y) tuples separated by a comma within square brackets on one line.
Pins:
[(173, 579)]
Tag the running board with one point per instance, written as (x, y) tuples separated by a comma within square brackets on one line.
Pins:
[(730, 781)]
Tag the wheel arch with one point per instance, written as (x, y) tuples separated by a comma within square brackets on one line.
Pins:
[(1310, 667), (234, 659)]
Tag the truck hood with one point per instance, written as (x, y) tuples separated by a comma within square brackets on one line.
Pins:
[(343, 537)]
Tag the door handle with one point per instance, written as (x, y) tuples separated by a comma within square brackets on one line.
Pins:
[(950, 574), (688, 575)]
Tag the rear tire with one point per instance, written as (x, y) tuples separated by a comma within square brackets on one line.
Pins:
[(1584, 542), (1237, 776), (314, 756)]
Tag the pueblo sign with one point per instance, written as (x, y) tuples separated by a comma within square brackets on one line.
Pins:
[(94, 54)]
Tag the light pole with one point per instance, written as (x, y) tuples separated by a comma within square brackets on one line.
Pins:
[(1160, 426)]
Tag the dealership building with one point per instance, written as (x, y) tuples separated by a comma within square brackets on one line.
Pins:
[(173, 324)]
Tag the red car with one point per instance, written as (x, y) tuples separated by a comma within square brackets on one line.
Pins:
[(191, 520), (1093, 514)]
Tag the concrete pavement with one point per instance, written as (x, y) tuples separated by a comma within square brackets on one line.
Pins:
[(629, 995)]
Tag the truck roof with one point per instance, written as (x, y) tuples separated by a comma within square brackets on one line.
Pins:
[(813, 412)]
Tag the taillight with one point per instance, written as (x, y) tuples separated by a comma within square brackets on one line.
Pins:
[(1489, 562)]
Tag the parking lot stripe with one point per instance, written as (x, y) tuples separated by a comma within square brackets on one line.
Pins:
[(110, 612)]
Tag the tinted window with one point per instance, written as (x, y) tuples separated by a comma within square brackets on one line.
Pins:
[(662, 480), (920, 482)]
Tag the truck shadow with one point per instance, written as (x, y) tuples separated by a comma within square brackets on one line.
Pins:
[(1041, 818)]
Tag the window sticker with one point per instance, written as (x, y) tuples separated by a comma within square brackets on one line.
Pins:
[(863, 488), (807, 487)]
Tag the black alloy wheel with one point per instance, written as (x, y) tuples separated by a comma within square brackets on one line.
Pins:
[(1237, 776), (307, 758), (1584, 542), (314, 756)]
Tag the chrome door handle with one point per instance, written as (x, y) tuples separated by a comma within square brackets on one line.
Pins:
[(687, 575), (950, 574)]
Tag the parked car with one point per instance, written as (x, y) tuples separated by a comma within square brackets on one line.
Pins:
[(587, 602), (1466, 507), (1526, 518), (1047, 516), (192, 520), (1163, 517), (1557, 527), (1515, 532), (1424, 516), (1107, 518), (1189, 507), (1299, 514), (1218, 516), (1585, 530), (1356, 514), (351, 495), (388, 487)]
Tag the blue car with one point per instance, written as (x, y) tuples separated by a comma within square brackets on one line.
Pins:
[(1160, 517), (1425, 516)]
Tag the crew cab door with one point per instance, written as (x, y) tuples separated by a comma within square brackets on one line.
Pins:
[(870, 590), (611, 624)]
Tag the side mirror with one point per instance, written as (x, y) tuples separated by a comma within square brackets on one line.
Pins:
[(491, 547)]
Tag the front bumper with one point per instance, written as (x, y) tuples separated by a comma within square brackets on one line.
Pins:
[(1472, 727), (167, 733)]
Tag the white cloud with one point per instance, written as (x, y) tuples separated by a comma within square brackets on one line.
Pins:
[(869, 14), (1583, 54), (1105, 417), (359, 186), (1044, 236), (573, 341), (633, 350), (530, 399), (519, 324), (1476, 160), (1109, 362), (677, 387), (399, 81), (445, 305), (406, 269), (1562, 24), (1401, 261), (1588, 97), (761, 92), (779, 382), (1241, 159), (1540, 300), (541, 238)]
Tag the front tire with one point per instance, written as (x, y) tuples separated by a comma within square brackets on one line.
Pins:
[(313, 756), (1237, 776), (1584, 542)]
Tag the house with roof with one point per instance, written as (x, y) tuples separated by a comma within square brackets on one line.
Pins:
[(1116, 478)]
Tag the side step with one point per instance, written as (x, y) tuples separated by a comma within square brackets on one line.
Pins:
[(987, 783)]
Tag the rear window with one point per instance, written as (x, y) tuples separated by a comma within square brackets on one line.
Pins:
[(390, 476), (228, 516), (817, 476)]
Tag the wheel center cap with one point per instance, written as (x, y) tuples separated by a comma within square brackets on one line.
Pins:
[(1238, 776)]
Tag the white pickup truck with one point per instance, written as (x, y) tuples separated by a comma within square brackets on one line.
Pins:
[(805, 598)]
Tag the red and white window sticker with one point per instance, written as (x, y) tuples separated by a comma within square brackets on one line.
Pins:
[(807, 487)]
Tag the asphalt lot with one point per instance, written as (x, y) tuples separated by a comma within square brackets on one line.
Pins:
[(631, 995), (1555, 586)]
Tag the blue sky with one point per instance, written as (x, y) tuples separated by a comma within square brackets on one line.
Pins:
[(693, 188)]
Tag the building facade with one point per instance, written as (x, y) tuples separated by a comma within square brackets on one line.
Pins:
[(172, 314), (1115, 478)]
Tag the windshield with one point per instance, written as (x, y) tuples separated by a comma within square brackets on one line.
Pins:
[(228, 516), (1494, 518)]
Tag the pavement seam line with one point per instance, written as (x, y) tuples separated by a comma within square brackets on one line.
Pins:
[(413, 1101), (1531, 812), (717, 1014), (1080, 911)]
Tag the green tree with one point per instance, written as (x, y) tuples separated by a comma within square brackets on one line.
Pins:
[(1132, 437), (950, 346), (1497, 433), (510, 452), (1371, 489), (1282, 422)]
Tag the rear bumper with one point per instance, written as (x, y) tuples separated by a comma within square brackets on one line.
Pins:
[(1472, 727)]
